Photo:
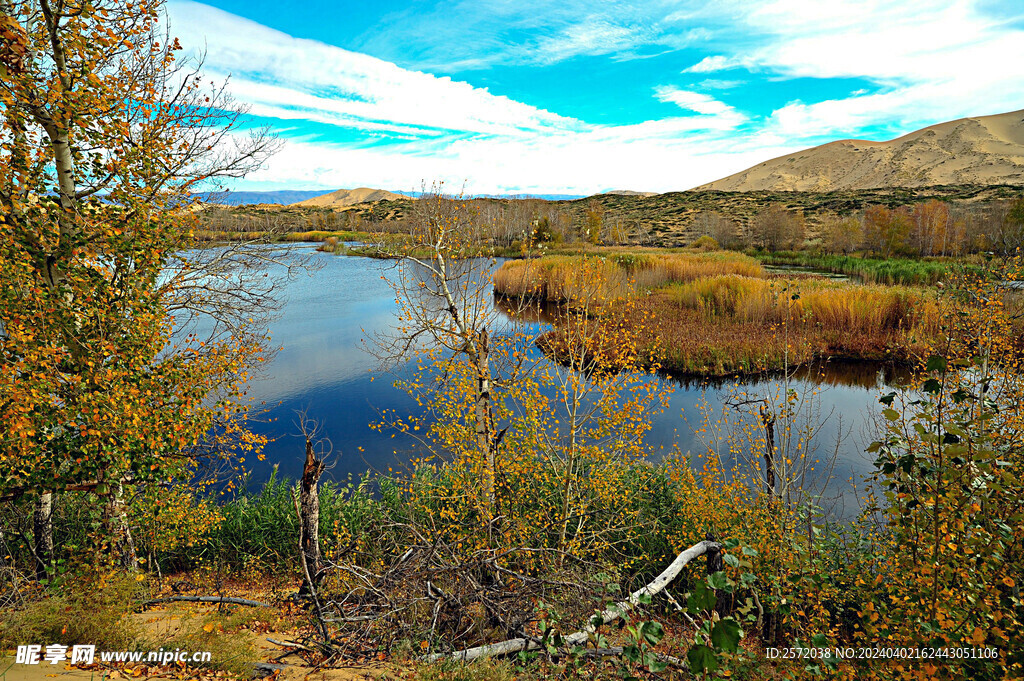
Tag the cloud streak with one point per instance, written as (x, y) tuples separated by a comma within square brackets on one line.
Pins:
[(358, 119)]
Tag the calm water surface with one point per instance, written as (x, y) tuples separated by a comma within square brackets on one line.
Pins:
[(325, 368)]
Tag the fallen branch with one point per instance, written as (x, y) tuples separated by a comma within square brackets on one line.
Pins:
[(290, 644), (612, 614), (208, 599)]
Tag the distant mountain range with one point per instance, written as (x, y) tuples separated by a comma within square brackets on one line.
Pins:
[(317, 197), (245, 198), (982, 150)]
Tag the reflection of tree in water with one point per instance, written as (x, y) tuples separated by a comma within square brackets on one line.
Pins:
[(850, 373)]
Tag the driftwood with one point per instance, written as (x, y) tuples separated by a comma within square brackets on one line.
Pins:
[(612, 614), (208, 599), (290, 644)]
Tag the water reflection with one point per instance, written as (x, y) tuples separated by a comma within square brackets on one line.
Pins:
[(325, 367)]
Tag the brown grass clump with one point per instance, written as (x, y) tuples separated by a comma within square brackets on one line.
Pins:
[(556, 278), (720, 313), (727, 325)]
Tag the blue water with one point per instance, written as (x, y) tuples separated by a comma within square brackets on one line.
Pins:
[(325, 367)]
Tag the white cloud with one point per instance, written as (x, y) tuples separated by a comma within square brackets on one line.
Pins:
[(478, 34), (933, 61), (439, 128), (293, 78), (715, 63), (694, 101)]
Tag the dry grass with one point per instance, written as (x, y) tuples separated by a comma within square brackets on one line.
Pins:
[(573, 279), (809, 302), (721, 313), (689, 341)]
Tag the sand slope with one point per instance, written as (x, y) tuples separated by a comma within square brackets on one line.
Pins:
[(350, 197), (979, 150)]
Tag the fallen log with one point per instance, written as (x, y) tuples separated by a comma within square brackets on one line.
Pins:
[(612, 614)]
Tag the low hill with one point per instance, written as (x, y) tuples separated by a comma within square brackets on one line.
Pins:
[(983, 150), (628, 192), (351, 197)]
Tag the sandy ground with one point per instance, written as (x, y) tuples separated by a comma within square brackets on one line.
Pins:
[(350, 197), (162, 624), (981, 150)]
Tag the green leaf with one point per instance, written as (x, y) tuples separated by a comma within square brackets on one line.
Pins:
[(718, 581), (652, 632), (653, 664), (727, 634), (732, 560), (936, 364), (701, 599), (701, 659)]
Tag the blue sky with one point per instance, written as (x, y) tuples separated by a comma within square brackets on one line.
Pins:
[(577, 97)]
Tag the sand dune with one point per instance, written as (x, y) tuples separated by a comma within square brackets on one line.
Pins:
[(350, 197), (979, 150)]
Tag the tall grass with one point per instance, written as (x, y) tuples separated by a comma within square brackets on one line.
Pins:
[(575, 279), (721, 313), (889, 271), (827, 305), (730, 324)]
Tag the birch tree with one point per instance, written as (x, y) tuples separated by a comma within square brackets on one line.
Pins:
[(106, 132)]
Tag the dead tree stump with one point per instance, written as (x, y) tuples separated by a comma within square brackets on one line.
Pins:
[(309, 518), (723, 600)]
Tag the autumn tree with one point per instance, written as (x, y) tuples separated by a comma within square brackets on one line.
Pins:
[(950, 475), (840, 234), (886, 230), (1002, 227), (593, 222), (720, 228), (930, 231), (776, 228), (447, 318), (106, 133)]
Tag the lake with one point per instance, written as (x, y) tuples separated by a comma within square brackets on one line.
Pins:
[(325, 368)]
